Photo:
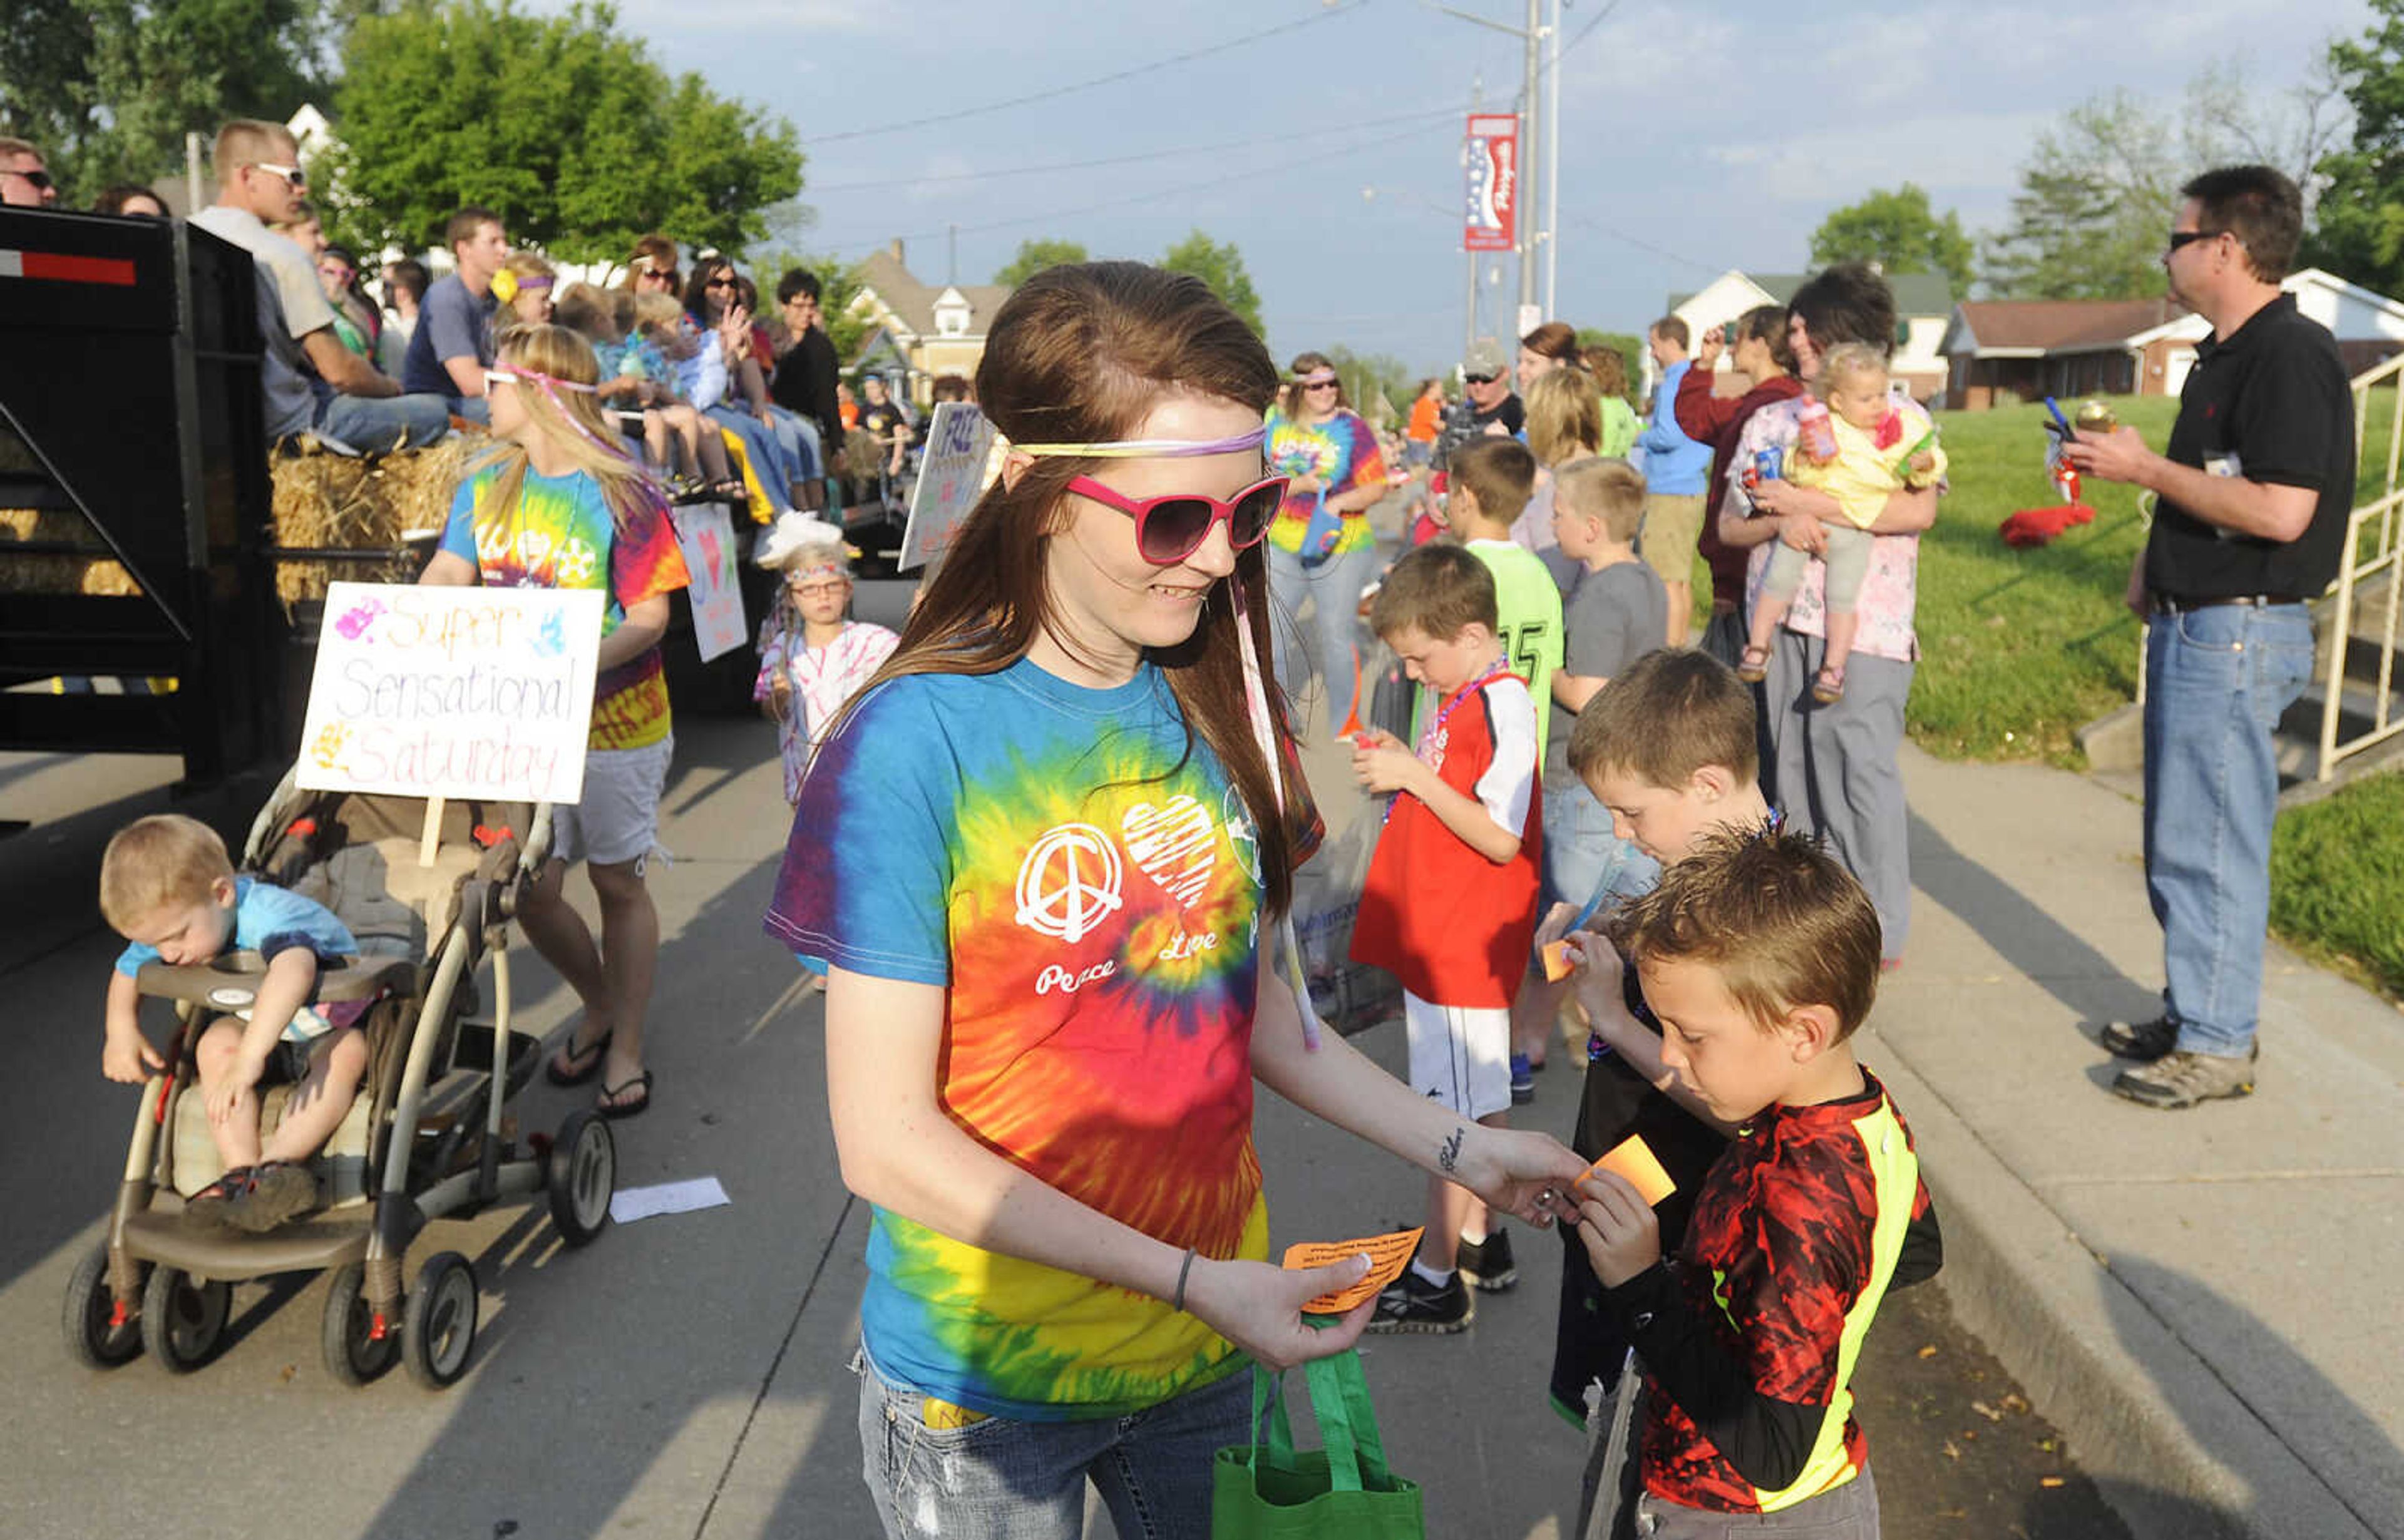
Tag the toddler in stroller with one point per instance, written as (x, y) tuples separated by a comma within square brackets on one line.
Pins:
[(389, 1112)]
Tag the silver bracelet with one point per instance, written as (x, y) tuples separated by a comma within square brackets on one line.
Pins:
[(1177, 1303)]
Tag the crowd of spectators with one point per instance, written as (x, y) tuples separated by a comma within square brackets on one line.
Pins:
[(689, 360)]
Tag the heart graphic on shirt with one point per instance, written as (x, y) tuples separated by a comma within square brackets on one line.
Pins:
[(1176, 846)]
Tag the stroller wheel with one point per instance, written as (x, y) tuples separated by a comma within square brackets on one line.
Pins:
[(183, 1319), (354, 1356), (582, 1177), (441, 1329), (91, 1340)]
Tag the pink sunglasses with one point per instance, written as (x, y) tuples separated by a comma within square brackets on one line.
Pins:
[(1171, 528)]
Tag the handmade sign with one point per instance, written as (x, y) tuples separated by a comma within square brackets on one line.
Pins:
[(951, 479), (1633, 1159), (706, 536), (1387, 1254), (483, 693)]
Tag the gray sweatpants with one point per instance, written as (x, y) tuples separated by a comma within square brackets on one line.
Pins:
[(1834, 770)]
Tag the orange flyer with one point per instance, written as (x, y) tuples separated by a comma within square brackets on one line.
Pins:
[(1633, 1159), (1387, 1254), (1560, 960)]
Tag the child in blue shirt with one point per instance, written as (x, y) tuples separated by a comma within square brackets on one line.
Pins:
[(168, 887)]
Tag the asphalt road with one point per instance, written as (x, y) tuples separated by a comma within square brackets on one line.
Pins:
[(686, 1375)]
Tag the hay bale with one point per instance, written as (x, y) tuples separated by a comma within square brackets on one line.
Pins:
[(51, 572), (332, 502)]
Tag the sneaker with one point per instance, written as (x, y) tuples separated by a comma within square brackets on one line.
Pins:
[(279, 1191), (2143, 1040), (1523, 1081), (208, 1206), (1412, 1304), (2183, 1079), (1487, 1264)]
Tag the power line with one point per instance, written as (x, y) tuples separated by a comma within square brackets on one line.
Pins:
[(1248, 175), (1625, 239), (1057, 91), (890, 183), (1584, 33)]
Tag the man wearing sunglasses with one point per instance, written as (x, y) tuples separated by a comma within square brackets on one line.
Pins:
[(313, 384), (25, 176), (452, 344), (2255, 491), (1488, 405)]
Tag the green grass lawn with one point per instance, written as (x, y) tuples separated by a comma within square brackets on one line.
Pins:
[(2021, 648)]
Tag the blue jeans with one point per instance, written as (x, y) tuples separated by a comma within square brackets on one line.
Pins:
[(1002, 1480), (779, 438), (760, 447), (2216, 681), (374, 423), (1333, 588)]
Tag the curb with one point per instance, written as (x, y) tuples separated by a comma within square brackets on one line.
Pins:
[(2174, 1449)]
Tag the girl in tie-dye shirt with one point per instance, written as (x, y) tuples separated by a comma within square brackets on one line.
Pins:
[(1036, 861), (560, 504)]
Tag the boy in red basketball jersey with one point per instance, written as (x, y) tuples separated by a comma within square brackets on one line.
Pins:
[(1450, 908)]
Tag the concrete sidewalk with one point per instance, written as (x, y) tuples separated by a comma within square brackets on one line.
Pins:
[(2200, 1300)]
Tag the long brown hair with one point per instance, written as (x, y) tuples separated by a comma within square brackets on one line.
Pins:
[(1084, 354)]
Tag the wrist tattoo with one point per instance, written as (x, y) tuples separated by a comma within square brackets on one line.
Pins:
[(1448, 1155)]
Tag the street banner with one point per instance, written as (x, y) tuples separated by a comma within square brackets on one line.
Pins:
[(706, 536), (472, 692), (951, 479), (1492, 222)]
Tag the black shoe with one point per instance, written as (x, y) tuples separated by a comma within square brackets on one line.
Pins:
[(1412, 1304), (2141, 1041), (1487, 1264), (207, 1208)]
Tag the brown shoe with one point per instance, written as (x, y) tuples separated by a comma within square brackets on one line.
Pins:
[(279, 1191)]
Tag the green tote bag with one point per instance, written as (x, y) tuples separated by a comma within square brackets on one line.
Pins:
[(1267, 1491)]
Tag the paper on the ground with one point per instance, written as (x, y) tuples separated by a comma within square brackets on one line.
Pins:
[(668, 1197)]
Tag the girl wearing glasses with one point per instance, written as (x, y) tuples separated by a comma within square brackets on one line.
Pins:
[(1037, 858), (1320, 549), (558, 504), (812, 657)]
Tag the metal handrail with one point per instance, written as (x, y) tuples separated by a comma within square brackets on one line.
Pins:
[(2355, 569)]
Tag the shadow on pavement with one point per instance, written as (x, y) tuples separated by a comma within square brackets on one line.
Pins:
[(2051, 952)]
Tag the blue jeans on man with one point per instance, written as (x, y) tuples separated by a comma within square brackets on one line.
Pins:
[(2216, 682), (373, 424)]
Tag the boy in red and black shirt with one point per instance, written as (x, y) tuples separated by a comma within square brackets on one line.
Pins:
[(1449, 906), (1759, 955)]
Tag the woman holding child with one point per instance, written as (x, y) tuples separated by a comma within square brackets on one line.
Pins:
[(1036, 858), (1835, 771)]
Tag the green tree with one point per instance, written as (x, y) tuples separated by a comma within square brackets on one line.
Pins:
[(1900, 232), (1033, 257), (1221, 266), (837, 284), (563, 126), (109, 87), (1368, 376), (2360, 234), (2097, 194)]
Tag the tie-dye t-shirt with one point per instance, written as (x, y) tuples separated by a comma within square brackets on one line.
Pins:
[(561, 536), (1084, 885), (1342, 452)]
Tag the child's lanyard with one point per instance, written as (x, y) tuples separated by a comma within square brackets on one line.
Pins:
[(1435, 729)]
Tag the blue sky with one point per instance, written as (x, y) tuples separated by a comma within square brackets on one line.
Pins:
[(1696, 137)]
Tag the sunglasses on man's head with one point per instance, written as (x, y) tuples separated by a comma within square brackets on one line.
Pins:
[(1481, 379), (1171, 528), (41, 179)]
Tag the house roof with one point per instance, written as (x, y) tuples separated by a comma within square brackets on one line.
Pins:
[(913, 303), (2053, 326), (1915, 293)]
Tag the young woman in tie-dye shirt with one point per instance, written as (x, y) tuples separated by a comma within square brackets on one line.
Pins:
[(559, 504), (1322, 551), (1036, 858)]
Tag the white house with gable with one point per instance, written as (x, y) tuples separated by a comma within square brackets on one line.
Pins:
[(1924, 303)]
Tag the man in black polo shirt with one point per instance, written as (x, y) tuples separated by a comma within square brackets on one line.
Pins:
[(2255, 496)]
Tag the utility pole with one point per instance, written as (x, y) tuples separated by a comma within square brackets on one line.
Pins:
[(1553, 164), (1531, 153), (1469, 302)]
